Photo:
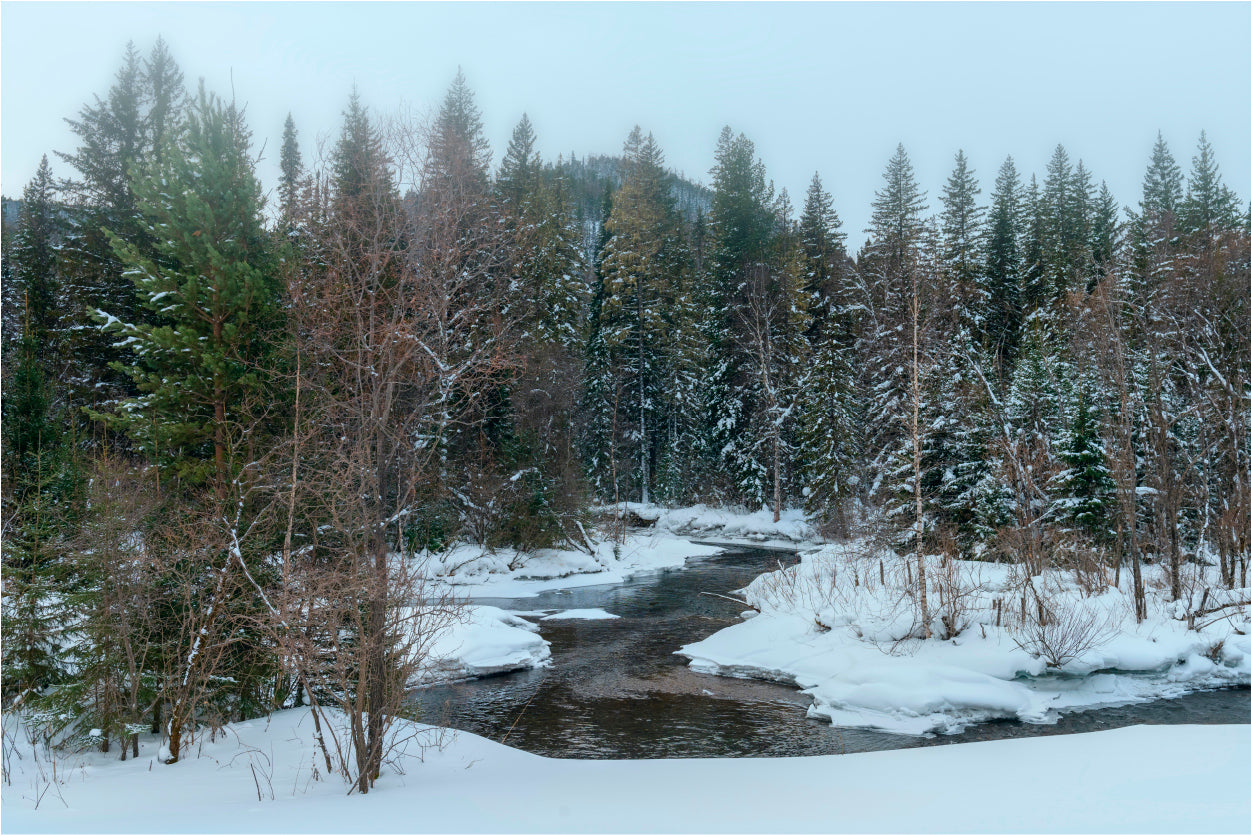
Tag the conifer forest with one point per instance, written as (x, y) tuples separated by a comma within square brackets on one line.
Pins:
[(249, 431)]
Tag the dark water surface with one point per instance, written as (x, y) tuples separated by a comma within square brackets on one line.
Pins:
[(615, 690)]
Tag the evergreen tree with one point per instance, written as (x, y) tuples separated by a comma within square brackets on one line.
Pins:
[(165, 96), (751, 275), (458, 148), (39, 484), (118, 135), (519, 169), (897, 268), (291, 169), (962, 237), (1105, 235), (213, 290), (34, 285), (1084, 489), (1036, 283), (827, 443), (825, 264), (1209, 208), (638, 271), (1162, 184), (1001, 320)]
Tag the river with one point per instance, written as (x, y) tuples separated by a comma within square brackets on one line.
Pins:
[(615, 690)]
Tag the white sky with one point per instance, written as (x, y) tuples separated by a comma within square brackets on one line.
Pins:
[(818, 86)]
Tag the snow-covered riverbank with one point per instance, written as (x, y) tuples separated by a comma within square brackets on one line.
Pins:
[(476, 572), (839, 626), (1142, 779), (487, 640)]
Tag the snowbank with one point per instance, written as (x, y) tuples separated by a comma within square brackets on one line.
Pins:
[(259, 777), (581, 614), (838, 627), (485, 641), (730, 525), (476, 572)]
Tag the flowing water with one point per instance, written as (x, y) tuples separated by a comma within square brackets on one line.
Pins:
[(615, 690)]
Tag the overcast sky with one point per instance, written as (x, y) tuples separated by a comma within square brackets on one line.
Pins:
[(828, 87)]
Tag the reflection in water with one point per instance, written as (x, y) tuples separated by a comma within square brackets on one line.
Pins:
[(616, 690)]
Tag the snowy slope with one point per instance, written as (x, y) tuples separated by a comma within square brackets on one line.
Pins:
[(1142, 779)]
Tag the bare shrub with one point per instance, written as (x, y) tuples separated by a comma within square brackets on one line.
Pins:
[(958, 589), (1060, 629)]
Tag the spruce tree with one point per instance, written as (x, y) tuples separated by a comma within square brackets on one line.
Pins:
[(896, 266), (1036, 281), (1001, 319), (827, 442), (1105, 235), (1162, 184), (824, 254), (1084, 489), (1210, 208), (291, 169), (35, 281), (638, 272), (117, 136), (962, 237), (39, 488)]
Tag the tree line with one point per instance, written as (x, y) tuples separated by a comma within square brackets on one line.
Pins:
[(229, 425)]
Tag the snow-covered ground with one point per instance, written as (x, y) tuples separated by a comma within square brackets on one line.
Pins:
[(838, 626), (483, 642), (731, 525), (259, 777), (581, 614), (476, 572)]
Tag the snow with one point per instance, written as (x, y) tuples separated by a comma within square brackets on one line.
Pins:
[(476, 572), (581, 614), (259, 776), (732, 525), (485, 641), (830, 627)]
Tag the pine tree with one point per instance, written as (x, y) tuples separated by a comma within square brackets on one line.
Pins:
[(829, 442), (897, 221), (1036, 284), (543, 243), (212, 288), (755, 269), (458, 148), (519, 169), (165, 97), (1033, 414)]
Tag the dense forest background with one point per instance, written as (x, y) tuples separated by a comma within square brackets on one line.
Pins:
[(224, 416)]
